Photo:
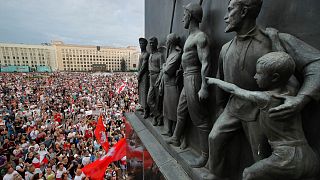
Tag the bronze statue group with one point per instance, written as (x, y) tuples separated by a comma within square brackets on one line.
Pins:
[(264, 79)]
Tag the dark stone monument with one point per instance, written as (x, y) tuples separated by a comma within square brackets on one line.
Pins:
[(170, 85), (196, 65), (243, 139), (156, 60), (143, 77), (292, 157), (237, 65)]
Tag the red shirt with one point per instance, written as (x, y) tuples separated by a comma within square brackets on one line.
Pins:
[(57, 117)]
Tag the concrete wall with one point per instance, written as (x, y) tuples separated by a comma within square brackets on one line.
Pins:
[(297, 17)]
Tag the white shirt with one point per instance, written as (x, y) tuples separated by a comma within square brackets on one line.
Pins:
[(10, 176), (79, 177), (28, 175), (34, 134), (59, 173), (85, 160), (42, 154)]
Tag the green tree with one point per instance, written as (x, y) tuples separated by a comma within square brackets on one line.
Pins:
[(123, 65)]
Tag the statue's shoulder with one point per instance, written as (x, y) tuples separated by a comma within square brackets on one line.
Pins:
[(202, 34), (202, 38), (225, 47), (145, 53), (157, 54), (273, 32)]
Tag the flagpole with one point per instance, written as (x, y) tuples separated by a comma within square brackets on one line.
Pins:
[(143, 164), (172, 15), (171, 23)]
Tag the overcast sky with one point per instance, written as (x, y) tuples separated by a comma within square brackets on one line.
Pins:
[(90, 22)]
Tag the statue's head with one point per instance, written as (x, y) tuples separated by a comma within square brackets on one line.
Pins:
[(192, 11), (172, 39), (274, 69), (153, 42), (143, 43), (239, 11)]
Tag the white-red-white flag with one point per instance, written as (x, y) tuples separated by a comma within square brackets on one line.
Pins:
[(97, 169), (101, 136)]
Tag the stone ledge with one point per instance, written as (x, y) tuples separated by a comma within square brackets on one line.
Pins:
[(181, 157), (168, 165)]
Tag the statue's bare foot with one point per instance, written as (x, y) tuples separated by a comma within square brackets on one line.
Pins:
[(211, 176), (183, 145), (174, 141), (146, 115), (160, 121), (199, 162), (154, 121), (167, 133)]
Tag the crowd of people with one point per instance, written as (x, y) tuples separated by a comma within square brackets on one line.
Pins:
[(47, 122)]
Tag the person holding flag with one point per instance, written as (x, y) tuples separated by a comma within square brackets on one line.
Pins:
[(96, 170), (101, 135)]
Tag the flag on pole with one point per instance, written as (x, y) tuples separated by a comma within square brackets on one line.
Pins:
[(100, 133), (97, 169)]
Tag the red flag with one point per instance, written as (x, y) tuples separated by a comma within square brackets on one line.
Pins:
[(97, 169), (118, 151), (100, 134), (45, 160)]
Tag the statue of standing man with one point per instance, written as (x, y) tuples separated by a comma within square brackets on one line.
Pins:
[(193, 98), (156, 61), (171, 90), (143, 77)]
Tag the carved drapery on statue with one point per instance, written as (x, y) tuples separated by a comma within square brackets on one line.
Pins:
[(171, 91)]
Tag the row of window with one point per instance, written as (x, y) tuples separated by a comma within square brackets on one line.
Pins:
[(91, 51), (86, 69), (87, 66), (18, 62), (33, 65), (23, 58), (113, 55), (84, 59), (112, 62), (23, 52)]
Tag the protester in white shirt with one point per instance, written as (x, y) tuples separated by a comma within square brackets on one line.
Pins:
[(79, 175), (10, 173)]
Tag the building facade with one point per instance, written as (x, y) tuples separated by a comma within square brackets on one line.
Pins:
[(28, 55), (83, 58)]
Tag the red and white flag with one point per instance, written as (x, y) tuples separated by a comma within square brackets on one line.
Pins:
[(121, 88), (45, 160), (101, 136), (97, 169), (36, 162), (118, 151)]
